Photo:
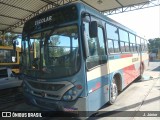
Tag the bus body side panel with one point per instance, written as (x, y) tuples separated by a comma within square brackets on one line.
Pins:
[(131, 68), (129, 64), (98, 87), (99, 79)]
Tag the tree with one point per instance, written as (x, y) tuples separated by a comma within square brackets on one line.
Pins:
[(7, 39), (154, 45)]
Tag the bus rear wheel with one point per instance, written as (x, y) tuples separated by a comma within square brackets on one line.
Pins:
[(113, 92), (141, 71)]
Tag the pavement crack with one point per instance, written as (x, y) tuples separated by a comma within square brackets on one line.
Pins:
[(143, 100)]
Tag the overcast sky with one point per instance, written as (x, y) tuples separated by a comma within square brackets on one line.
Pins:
[(145, 22)]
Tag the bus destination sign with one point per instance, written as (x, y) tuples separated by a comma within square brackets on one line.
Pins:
[(43, 20)]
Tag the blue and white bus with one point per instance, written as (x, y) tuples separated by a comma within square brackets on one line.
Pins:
[(76, 59)]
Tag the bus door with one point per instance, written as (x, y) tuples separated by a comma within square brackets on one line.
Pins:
[(96, 67)]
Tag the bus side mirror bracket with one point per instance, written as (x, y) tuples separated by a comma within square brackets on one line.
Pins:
[(93, 29), (86, 48), (85, 42)]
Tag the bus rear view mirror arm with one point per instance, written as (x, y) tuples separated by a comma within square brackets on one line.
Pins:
[(86, 47)]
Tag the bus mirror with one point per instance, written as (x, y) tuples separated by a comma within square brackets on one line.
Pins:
[(93, 29)]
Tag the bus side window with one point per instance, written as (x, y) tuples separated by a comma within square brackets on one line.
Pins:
[(124, 40), (138, 44), (101, 46), (142, 44), (132, 41), (96, 47), (112, 39), (146, 45), (110, 46)]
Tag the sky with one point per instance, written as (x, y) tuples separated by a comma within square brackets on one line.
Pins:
[(145, 22)]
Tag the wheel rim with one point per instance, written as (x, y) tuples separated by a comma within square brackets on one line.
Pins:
[(114, 91)]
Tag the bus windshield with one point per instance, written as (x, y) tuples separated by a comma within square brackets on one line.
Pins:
[(53, 53)]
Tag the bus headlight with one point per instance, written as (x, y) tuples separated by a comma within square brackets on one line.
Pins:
[(67, 97), (72, 94)]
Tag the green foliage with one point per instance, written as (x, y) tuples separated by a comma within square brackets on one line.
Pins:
[(8, 38), (154, 44), (55, 50)]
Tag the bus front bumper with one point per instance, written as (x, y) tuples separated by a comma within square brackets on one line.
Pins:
[(77, 107)]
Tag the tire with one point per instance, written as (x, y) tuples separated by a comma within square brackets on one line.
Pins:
[(141, 71), (113, 92)]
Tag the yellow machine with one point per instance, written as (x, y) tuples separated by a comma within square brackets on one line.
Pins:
[(10, 58)]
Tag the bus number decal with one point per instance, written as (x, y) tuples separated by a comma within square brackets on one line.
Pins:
[(134, 59)]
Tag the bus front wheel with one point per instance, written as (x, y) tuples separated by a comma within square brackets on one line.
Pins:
[(113, 92)]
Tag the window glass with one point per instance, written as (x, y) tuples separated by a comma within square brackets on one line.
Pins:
[(142, 44), (96, 47), (92, 42), (116, 46), (131, 47), (101, 41), (122, 47), (52, 51), (93, 46), (127, 47), (7, 56), (110, 46), (142, 41), (132, 38), (134, 47), (137, 40), (123, 35), (112, 32), (146, 45), (138, 48)]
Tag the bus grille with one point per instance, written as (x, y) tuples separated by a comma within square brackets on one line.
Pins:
[(47, 104), (47, 95), (46, 86)]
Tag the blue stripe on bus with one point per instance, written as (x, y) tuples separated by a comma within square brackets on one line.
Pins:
[(99, 82), (112, 57), (100, 96)]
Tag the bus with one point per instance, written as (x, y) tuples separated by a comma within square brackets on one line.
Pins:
[(10, 58), (76, 59)]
